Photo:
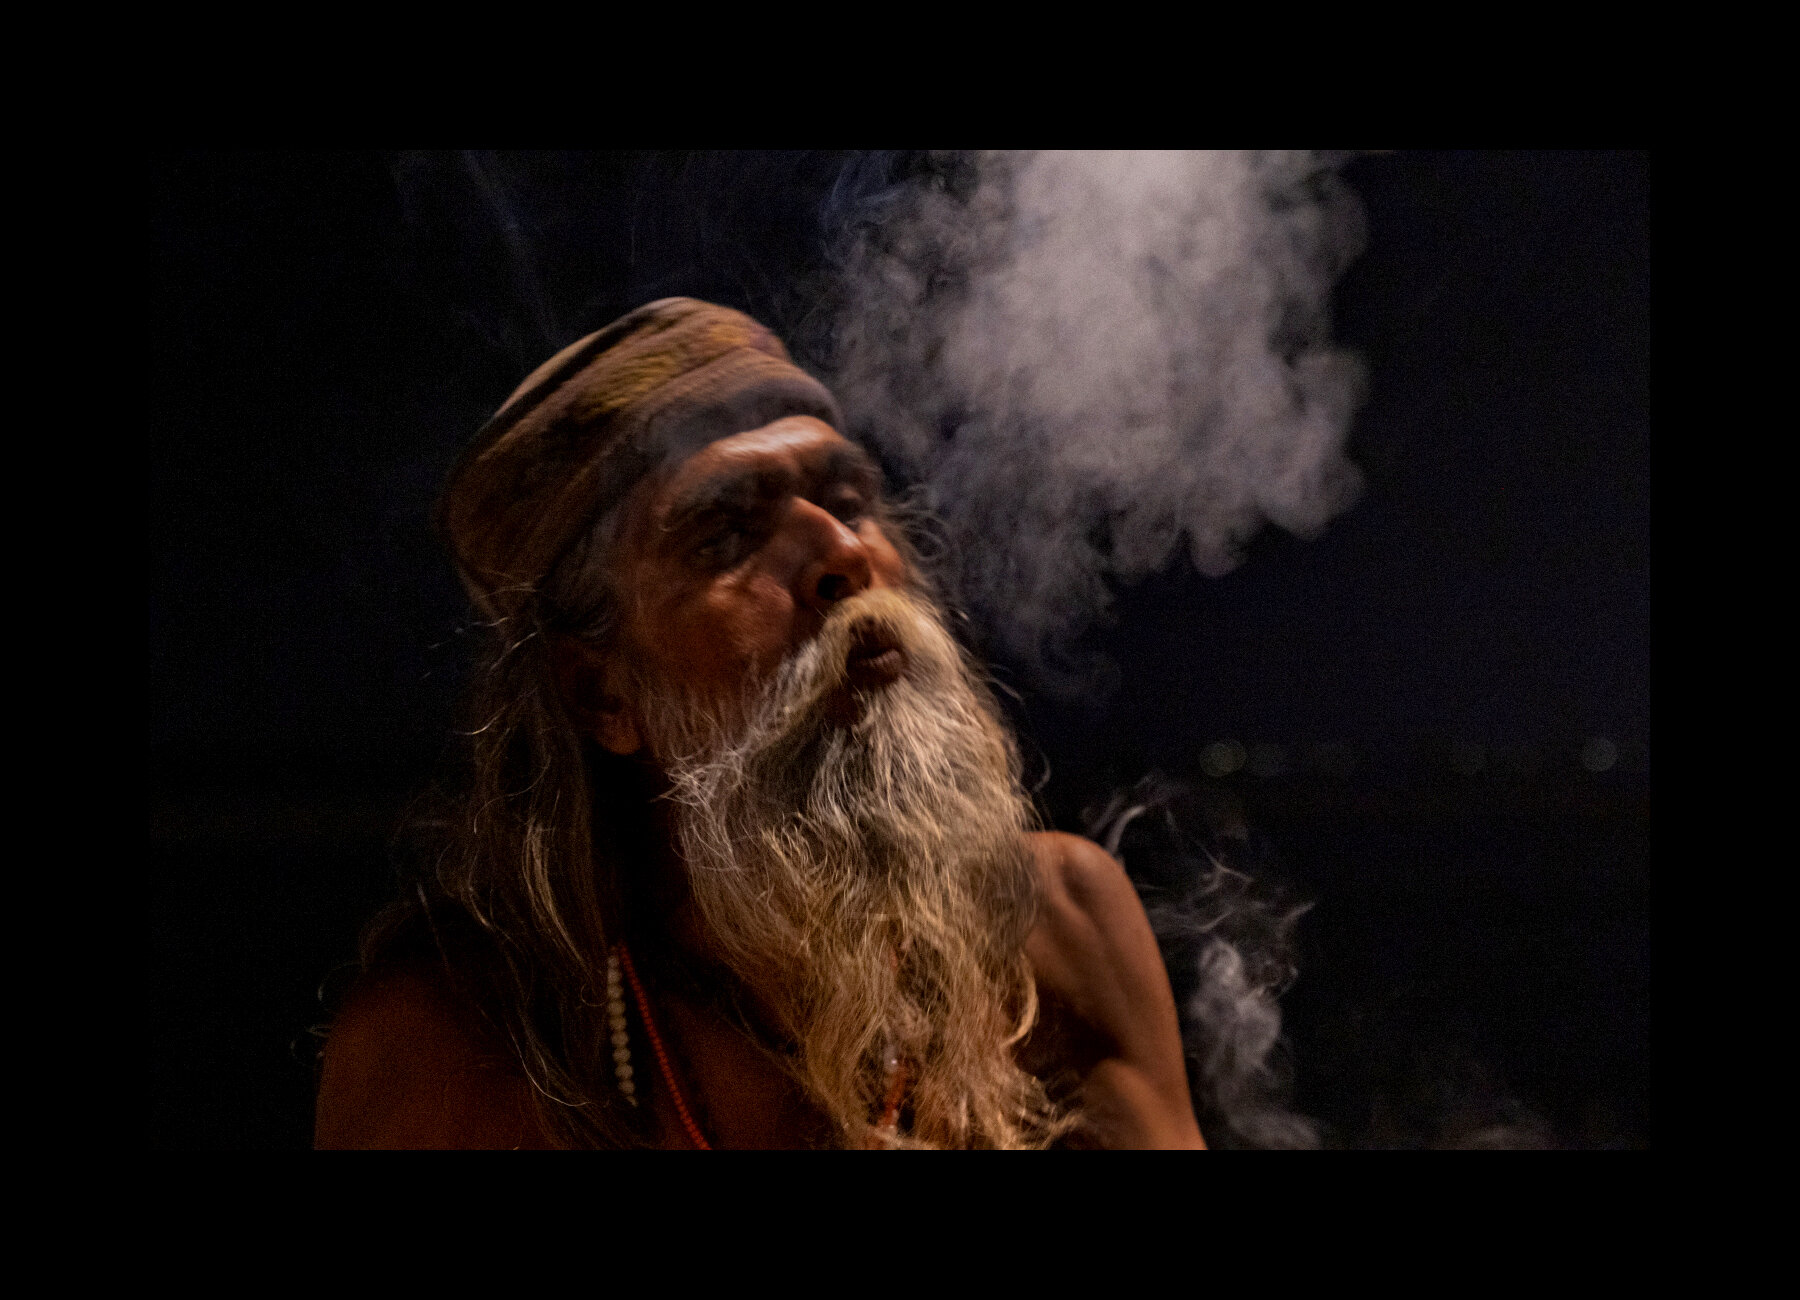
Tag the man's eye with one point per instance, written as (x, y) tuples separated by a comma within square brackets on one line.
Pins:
[(721, 547), (849, 509)]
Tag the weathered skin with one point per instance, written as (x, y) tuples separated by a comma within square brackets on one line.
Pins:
[(1108, 1011), (722, 605)]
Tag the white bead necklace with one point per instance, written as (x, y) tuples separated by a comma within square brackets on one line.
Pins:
[(883, 1131), (621, 1041)]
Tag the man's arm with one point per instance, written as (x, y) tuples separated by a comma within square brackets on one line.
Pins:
[(405, 1070), (1108, 1007)]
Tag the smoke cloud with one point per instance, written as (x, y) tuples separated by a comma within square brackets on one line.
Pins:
[(1091, 363)]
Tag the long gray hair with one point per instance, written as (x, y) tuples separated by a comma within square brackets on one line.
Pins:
[(509, 876)]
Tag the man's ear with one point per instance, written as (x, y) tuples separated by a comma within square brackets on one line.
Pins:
[(591, 683)]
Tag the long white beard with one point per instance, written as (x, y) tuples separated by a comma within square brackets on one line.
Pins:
[(864, 873)]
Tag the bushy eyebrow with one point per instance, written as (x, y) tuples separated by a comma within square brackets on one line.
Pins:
[(853, 466), (730, 489)]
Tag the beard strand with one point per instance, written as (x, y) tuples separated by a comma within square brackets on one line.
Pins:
[(864, 873)]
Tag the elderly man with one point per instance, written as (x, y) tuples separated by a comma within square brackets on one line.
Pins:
[(743, 859)]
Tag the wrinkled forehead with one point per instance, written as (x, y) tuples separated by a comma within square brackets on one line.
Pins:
[(796, 454), (627, 404)]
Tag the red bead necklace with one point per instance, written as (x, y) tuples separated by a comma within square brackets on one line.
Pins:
[(887, 1124), (642, 999)]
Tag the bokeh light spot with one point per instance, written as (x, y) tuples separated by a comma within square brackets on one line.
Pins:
[(1599, 754), (1222, 758)]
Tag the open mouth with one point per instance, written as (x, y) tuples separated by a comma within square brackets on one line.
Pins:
[(875, 657)]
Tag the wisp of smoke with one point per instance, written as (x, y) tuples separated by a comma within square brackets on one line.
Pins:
[(1091, 361), (1227, 941)]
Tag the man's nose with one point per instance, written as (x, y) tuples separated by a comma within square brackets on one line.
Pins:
[(838, 564)]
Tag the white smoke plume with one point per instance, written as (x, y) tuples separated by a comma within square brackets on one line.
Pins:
[(1092, 362)]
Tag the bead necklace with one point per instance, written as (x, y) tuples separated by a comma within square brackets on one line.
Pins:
[(615, 1003), (618, 962), (621, 1040), (889, 1123)]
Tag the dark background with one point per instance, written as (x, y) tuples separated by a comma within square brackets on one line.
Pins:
[(1416, 686)]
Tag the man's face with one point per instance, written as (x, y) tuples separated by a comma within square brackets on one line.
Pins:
[(841, 792), (730, 564)]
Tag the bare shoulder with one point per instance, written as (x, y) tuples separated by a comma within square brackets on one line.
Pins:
[(407, 1066), (1078, 872), (1092, 932), (1108, 1011)]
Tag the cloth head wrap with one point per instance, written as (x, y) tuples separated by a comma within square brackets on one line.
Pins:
[(586, 426)]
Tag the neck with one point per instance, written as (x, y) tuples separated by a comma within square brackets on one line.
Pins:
[(670, 939), (731, 1065)]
